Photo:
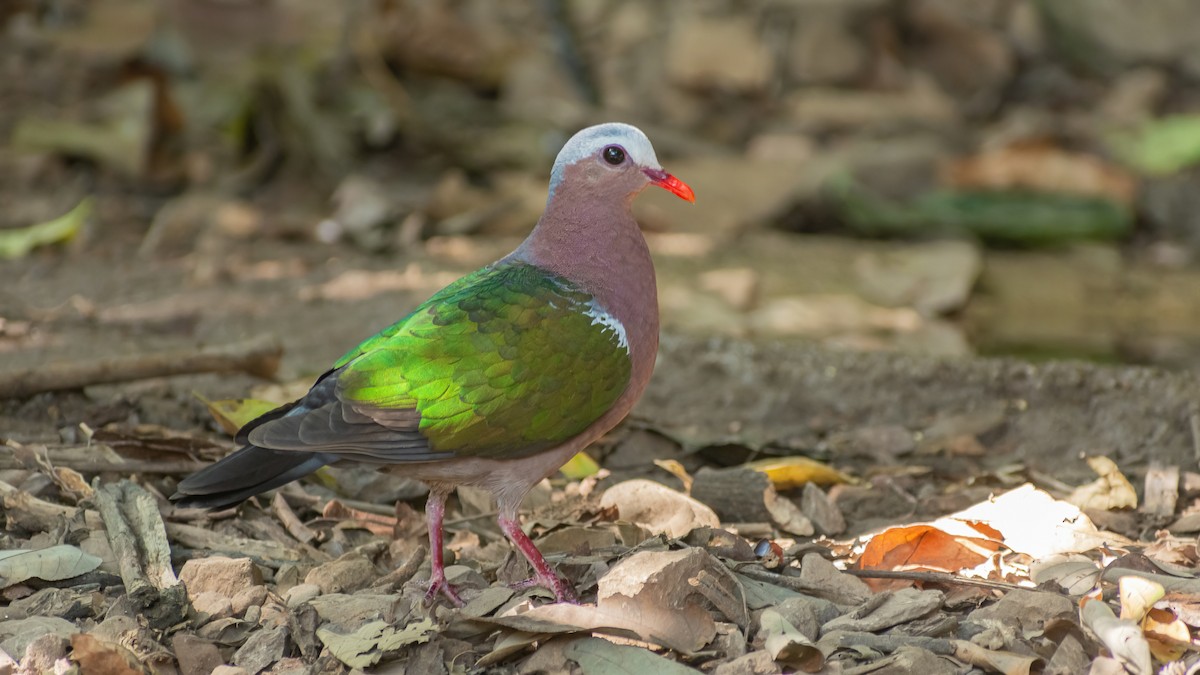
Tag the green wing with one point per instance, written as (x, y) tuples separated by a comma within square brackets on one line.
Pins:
[(505, 362)]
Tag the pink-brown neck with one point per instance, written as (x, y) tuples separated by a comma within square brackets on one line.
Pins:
[(588, 235)]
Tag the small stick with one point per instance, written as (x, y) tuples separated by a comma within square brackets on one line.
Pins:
[(129, 466), (259, 357), (291, 522), (933, 577), (388, 582)]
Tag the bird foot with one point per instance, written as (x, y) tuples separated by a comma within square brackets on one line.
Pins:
[(436, 587), (562, 591)]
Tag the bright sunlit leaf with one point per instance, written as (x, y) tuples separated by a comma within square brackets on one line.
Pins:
[(1138, 595), (792, 472), (925, 547), (579, 467), (234, 413)]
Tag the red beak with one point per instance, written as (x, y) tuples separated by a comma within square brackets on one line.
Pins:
[(671, 184)]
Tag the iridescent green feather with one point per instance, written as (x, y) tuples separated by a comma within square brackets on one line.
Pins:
[(505, 362)]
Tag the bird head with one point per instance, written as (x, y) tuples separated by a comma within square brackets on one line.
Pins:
[(614, 157)]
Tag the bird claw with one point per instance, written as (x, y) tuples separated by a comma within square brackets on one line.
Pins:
[(562, 591), (441, 587)]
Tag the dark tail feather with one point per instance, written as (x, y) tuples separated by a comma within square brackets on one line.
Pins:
[(245, 473)]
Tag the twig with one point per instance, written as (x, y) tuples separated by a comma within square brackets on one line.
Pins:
[(291, 522), (258, 357), (790, 583), (388, 582), (139, 540), (886, 643), (129, 466), (933, 577)]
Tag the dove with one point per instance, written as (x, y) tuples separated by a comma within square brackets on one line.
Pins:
[(496, 380)]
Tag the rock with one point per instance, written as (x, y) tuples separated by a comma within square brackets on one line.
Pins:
[(922, 105), (291, 665), (301, 593), (261, 649), (900, 607), (43, 653), (347, 574), (1029, 609), (796, 609), (1110, 34), (230, 670), (933, 278), (17, 634), (822, 50), (826, 517), (224, 576), (955, 43), (658, 508), (722, 53), (739, 192), (246, 598), (538, 87), (1134, 97), (836, 586), (1172, 208), (801, 615), (196, 656), (253, 614), (210, 605), (737, 286)]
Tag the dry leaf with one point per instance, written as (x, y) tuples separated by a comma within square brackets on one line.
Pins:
[(1075, 574), (995, 661), (1035, 523), (647, 595), (1122, 637), (49, 564), (1169, 637), (1138, 595), (658, 508), (673, 467), (95, 656), (601, 657), (234, 413), (1042, 168), (788, 645), (925, 547), (364, 647), (1112, 490)]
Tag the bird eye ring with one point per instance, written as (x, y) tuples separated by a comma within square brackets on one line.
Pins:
[(614, 155)]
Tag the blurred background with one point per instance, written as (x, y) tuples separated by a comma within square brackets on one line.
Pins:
[(1012, 177)]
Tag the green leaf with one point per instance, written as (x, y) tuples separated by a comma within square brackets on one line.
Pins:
[(17, 243), (1161, 146), (364, 647)]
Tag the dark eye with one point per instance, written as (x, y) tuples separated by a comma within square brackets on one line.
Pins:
[(614, 155)]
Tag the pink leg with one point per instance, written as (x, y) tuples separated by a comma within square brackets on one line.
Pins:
[(542, 574), (435, 511)]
